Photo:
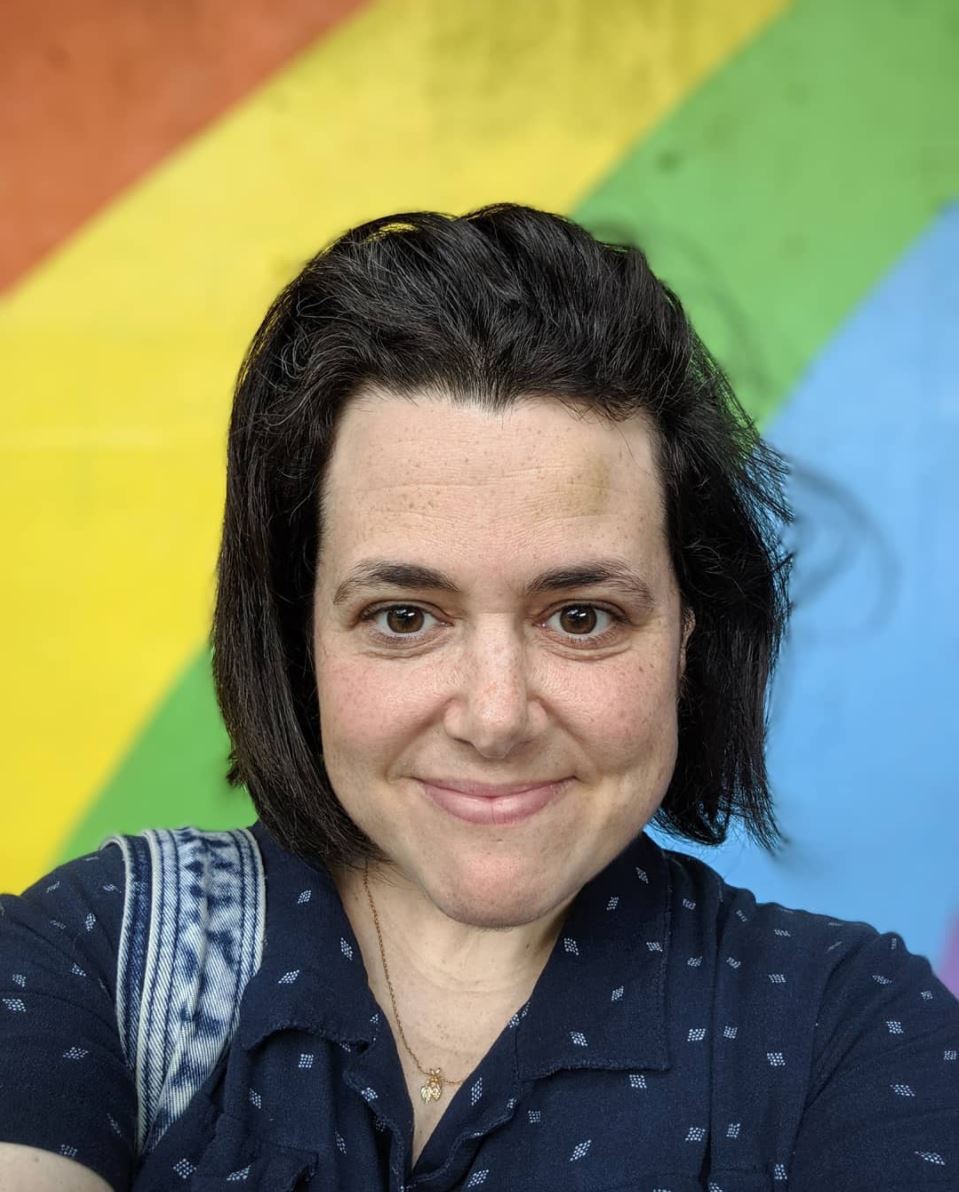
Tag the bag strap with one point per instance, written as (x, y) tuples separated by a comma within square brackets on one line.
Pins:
[(192, 936)]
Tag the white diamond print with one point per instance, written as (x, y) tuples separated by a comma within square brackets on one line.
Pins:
[(613, 903), (617, 994), (578, 1038), (289, 978), (776, 1059), (346, 948), (695, 1133), (637, 1080), (570, 945), (696, 1034), (580, 1149), (304, 896)]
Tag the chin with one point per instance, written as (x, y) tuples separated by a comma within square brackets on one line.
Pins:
[(494, 897)]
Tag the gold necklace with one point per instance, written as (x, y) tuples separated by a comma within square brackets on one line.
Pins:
[(435, 1080)]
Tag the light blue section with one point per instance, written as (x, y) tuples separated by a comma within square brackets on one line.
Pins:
[(865, 710)]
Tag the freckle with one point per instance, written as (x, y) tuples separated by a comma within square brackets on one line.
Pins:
[(590, 489)]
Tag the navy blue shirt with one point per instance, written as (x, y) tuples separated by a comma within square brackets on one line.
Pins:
[(681, 1037)]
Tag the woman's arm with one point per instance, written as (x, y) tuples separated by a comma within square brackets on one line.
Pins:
[(28, 1169)]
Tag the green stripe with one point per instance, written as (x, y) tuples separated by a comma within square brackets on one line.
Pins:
[(173, 775), (772, 200), (781, 191)]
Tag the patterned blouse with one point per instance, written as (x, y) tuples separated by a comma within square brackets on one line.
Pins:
[(682, 1037)]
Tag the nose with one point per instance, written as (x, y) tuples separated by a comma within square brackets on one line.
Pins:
[(492, 705)]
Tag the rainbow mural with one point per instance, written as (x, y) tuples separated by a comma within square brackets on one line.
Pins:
[(792, 169)]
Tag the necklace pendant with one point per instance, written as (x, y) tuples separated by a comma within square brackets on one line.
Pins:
[(433, 1089)]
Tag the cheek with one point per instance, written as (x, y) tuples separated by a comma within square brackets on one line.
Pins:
[(624, 711), (365, 705)]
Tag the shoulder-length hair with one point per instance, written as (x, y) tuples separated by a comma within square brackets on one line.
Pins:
[(504, 302)]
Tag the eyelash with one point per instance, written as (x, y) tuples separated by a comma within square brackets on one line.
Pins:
[(589, 642)]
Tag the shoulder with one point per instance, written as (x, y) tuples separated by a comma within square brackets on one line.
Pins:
[(838, 1025), (749, 933), (840, 990), (60, 1051), (74, 910)]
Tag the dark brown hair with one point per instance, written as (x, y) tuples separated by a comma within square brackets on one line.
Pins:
[(489, 307)]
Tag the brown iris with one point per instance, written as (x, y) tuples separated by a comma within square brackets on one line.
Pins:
[(399, 617)]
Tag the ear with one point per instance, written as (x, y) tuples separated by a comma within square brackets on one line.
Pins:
[(689, 624)]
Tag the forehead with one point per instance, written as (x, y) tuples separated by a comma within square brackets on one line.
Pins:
[(445, 474)]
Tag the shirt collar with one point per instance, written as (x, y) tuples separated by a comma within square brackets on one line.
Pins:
[(312, 974), (599, 1002)]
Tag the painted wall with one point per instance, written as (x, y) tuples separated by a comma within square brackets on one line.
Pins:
[(792, 170)]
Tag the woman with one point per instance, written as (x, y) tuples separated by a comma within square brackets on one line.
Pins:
[(500, 584)]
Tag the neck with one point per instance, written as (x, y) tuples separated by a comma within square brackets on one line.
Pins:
[(425, 945)]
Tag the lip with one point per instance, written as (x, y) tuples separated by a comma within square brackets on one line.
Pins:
[(506, 805), (488, 790)]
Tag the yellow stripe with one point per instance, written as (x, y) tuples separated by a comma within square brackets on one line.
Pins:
[(119, 352)]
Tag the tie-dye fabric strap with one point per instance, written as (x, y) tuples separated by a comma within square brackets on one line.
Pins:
[(192, 937)]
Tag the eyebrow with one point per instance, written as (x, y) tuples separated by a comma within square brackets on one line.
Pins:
[(612, 573)]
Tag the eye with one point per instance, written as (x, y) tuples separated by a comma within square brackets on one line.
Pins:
[(402, 620), (577, 623), (579, 620)]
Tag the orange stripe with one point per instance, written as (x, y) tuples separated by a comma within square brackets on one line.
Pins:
[(93, 95)]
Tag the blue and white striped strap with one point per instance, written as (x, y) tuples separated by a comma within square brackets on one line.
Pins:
[(192, 936)]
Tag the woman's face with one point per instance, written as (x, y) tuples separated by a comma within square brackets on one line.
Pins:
[(490, 682)]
